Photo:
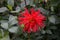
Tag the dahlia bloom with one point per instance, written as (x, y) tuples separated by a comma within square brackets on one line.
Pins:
[(32, 20)]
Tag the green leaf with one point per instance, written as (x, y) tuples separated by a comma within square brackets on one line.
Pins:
[(12, 20), (43, 31), (4, 25), (3, 9), (53, 27), (52, 19), (48, 31), (10, 2), (5, 38), (4, 35), (13, 29)]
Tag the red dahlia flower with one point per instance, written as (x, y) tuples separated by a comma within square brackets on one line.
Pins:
[(32, 20)]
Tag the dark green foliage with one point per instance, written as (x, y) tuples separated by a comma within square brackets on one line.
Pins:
[(52, 29)]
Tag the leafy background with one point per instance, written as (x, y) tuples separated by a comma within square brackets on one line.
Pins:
[(10, 30)]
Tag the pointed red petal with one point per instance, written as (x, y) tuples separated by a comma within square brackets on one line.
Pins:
[(32, 11), (26, 27), (35, 28), (26, 13)]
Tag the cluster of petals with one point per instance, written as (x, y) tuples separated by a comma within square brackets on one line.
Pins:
[(32, 20)]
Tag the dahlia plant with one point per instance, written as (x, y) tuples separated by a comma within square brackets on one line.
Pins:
[(29, 19)]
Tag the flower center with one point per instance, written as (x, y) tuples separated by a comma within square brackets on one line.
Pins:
[(31, 20)]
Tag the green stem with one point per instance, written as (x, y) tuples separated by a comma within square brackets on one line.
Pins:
[(28, 36)]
